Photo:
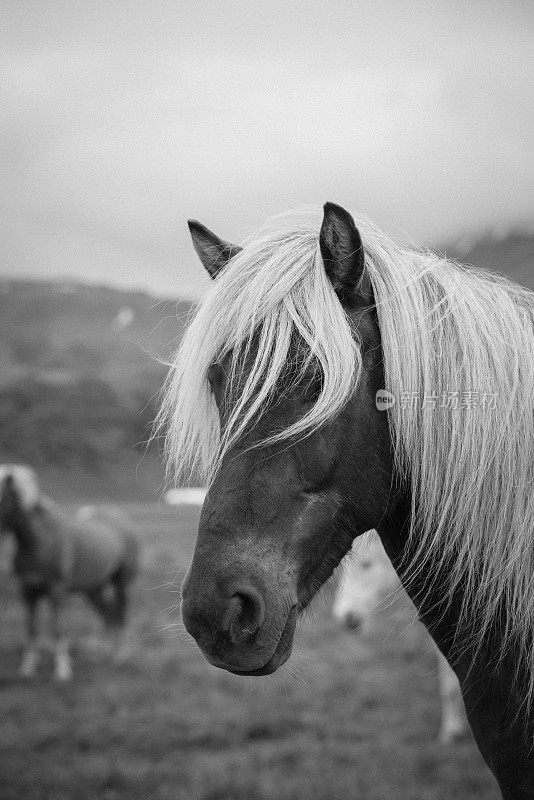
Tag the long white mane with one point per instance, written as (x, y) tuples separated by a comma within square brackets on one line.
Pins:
[(458, 350), (25, 481)]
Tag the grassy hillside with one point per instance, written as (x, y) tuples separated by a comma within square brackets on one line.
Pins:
[(512, 255), (59, 331), (79, 371)]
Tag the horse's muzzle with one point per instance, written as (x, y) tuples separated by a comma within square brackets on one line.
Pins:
[(237, 626), (280, 655)]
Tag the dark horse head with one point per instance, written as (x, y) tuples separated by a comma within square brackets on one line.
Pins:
[(10, 506), (18, 492), (282, 511)]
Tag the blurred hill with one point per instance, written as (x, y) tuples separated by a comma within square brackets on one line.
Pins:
[(512, 255), (79, 373)]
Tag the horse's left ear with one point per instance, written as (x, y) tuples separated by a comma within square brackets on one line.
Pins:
[(214, 253), (342, 252)]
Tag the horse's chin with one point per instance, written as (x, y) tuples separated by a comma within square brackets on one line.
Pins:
[(280, 656)]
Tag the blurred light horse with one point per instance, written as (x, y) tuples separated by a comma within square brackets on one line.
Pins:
[(366, 578), (56, 554)]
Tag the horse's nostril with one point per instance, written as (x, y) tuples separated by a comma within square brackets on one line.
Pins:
[(245, 615)]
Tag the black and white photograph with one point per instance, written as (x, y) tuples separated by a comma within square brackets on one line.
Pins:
[(266, 400)]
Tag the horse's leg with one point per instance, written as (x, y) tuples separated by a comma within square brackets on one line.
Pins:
[(30, 658), (105, 606), (62, 659), (113, 612), (121, 581), (453, 719), (120, 584)]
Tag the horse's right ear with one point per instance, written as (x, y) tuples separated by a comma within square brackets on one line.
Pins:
[(214, 253)]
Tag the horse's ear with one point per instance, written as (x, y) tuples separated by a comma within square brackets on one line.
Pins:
[(214, 253), (342, 252)]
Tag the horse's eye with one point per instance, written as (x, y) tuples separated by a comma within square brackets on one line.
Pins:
[(215, 379), (314, 384), (214, 375)]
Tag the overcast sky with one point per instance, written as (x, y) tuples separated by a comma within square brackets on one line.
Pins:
[(119, 120)]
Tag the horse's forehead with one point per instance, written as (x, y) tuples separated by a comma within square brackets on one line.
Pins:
[(25, 482)]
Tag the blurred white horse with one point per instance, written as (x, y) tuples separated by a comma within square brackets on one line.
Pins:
[(367, 577)]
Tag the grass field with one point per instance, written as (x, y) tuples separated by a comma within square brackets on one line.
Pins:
[(348, 717)]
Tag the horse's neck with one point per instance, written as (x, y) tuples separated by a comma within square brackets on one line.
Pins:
[(32, 527), (23, 528)]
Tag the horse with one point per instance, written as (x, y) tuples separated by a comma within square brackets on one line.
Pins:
[(367, 577), (334, 381), (93, 552)]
